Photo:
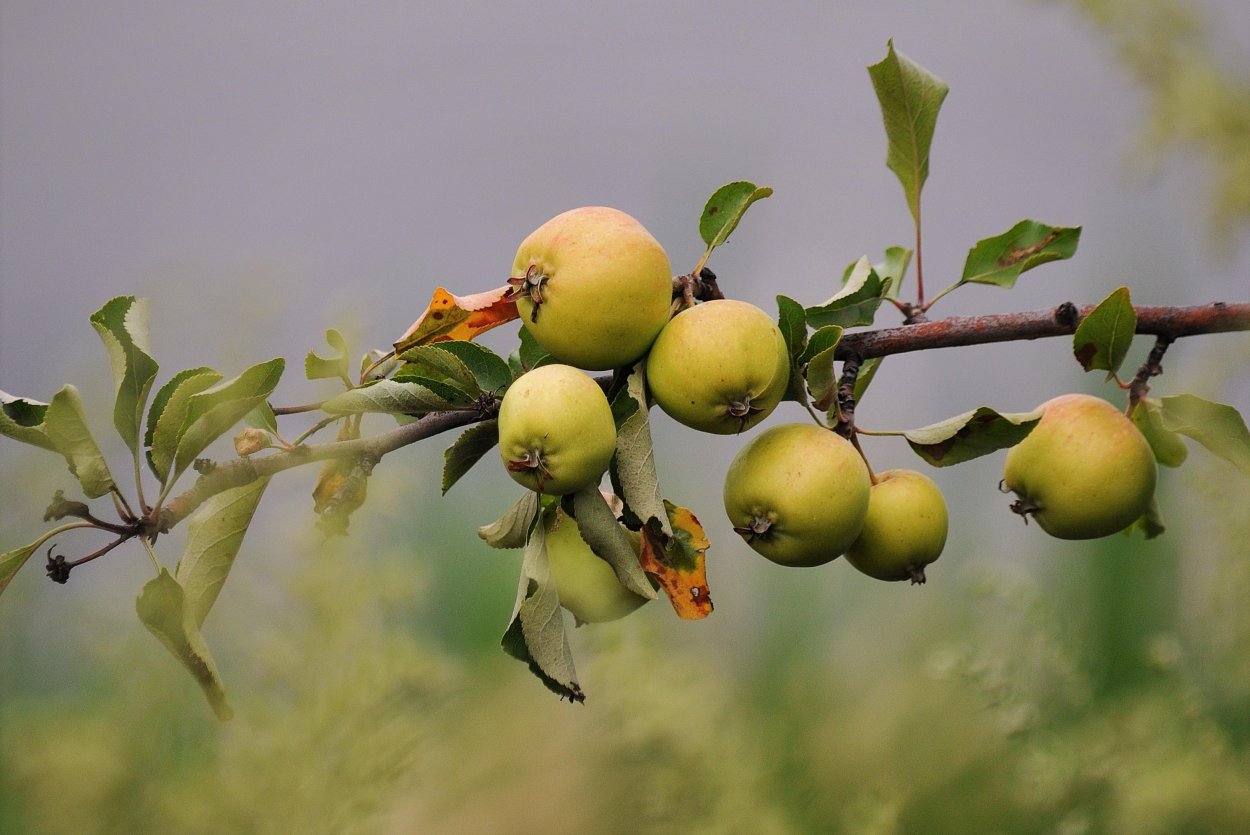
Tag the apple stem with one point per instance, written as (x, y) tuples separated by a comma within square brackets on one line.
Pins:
[(1152, 367)]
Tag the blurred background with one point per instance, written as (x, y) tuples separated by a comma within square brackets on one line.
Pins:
[(263, 171)]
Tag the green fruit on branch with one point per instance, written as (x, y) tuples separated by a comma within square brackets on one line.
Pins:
[(586, 583), (1083, 472), (556, 432), (721, 367), (593, 287), (905, 528), (798, 494)]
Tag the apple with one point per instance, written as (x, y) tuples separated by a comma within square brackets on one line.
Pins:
[(1083, 472), (556, 432), (720, 366), (798, 494), (586, 583), (593, 287), (905, 528)]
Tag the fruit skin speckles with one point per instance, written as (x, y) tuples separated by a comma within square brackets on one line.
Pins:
[(593, 287), (721, 367), (1083, 472), (556, 432)]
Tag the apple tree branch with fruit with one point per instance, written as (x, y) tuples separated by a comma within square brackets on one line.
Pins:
[(594, 291)]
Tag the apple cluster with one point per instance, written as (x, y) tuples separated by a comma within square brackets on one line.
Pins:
[(594, 289)]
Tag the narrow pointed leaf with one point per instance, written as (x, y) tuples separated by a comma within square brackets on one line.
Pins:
[(262, 417), (603, 533), (894, 268), (1168, 447), (530, 354), (391, 397), (1218, 427), (512, 529), (446, 392), (910, 98), (856, 303), (12, 561), (214, 535), (489, 369), (725, 208), (1000, 260), (431, 362), (633, 464), (163, 609), (677, 561), (822, 379), (123, 327), (970, 435), (66, 426), (1103, 338), (213, 412), (536, 633), (792, 322), (468, 449), (335, 366), (168, 416)]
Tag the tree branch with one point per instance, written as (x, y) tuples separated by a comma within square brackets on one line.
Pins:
[(1173, 322)]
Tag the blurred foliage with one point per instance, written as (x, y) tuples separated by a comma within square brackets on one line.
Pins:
[(1194, 100)]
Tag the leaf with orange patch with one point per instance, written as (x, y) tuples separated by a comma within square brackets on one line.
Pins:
[(677, 561), (458, 317)]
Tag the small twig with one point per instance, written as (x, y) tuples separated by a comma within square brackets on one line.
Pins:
[(1152, 367), (295, 410), (846, 397)]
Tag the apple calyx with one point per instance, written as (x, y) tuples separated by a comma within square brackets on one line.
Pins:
[(917, 574), (743, 410), (531, 461), (1023, 507), (531, 284), (758, 529)]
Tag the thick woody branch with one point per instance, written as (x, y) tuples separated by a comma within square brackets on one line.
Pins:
[(1172, 322)]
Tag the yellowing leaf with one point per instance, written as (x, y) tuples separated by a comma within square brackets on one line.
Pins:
[(677, 562), (458, 317)]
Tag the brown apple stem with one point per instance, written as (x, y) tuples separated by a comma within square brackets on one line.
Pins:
[(846, 397), (1152, 367)]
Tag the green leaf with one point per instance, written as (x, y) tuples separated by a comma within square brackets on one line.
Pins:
[(822, 380), (66, 426), (536, 632), (725, 208), (910, 98), (970, 435), (434, 363), (1028, 244), (22, 420), (1218, 427), (262, 417), (512, 529), (163, 609), (1151, 522), (123, 327), (867, 370), (455, 398), (531, 354), (633, 464), (489, 369), (605, 536), (168, 415), (214, 536), (856, 303), (1169, 449), (792, 322), (212, 412), (336, 366), (1103, 338), (12, 561), (468, 449), (893, 268), (390, 397), (59, 426)]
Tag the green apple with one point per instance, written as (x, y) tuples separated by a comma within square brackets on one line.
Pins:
[(556, 432), (798, 494), (1084, 471), (585, 581), (720, 366), (905, 529), (593, 287)]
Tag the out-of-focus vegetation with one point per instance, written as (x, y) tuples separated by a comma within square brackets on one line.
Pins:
[(1113, 697)]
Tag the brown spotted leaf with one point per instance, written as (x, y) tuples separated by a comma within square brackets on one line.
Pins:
[(677, 561), (458, 317)]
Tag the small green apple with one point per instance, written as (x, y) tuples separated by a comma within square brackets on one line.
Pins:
[(593, 287), (556, 432), (905, 529), (798, 494), (585, 581), (720, 366), (1084, 471)]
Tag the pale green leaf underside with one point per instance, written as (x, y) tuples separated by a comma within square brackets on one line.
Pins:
[(1218, 427), (605, 536), (512, 529), (468, 449), (212, 412), (122, 324), (390, 397), (634, 461)]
